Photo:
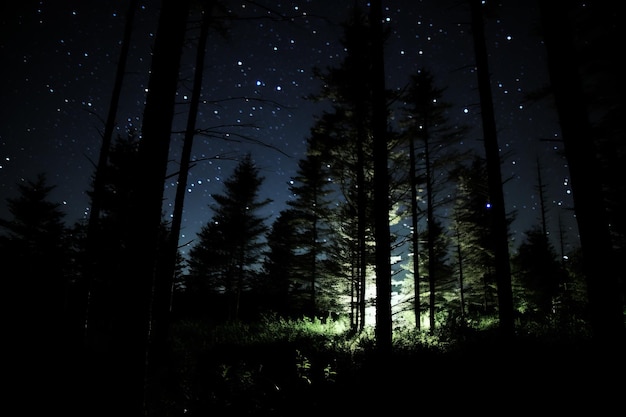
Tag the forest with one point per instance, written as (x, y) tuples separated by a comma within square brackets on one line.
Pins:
[(388, 283)]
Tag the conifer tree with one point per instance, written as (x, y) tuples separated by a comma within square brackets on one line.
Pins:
[(34, 264), (278, 287), (35, 258), (311, 205), (472, 220), (540, 274), (230, 245), (430, 134)]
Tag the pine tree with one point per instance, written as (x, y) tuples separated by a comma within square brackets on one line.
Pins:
[(314, 269), (426, 123), (230, 245), (34, 261), (34, 253), (472, 220), (277, 289), (540, 274)]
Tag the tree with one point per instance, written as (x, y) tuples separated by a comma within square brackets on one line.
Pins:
[(35, 258), (540, 273), (35, 261), (381, 183), (131, 320), (494, 176), (344, 138), (313, 269), (472, 226), (277, 288), (229, 247), (164, 279), (599, 268), (435, 262), (93, 225), (109, 236), (425, 121)]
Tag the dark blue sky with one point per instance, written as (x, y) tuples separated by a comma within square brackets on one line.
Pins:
[(58, 63)]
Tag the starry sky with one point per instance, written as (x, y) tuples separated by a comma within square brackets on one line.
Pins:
[(59, 60)]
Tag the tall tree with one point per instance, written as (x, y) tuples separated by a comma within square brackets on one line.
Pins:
[(494, 176), (34, 255), (278, 287), (230, 245), (472, 225), (132, 314), (97, 195), (34, 262), (311, 204), (164, 281), (540, 274), (111, 236), (426, 122), (348, 144), (435, 262), (606, 307), (381, 183)]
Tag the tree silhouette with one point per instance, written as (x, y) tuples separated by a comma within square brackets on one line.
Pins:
[(229, 247), (314, 267), (606, 305), (381, 183), (277, 290), (131, 318), (35, 260), (472, 225), (426, 123), (348, 140), (494, 176), (540, 273), (93, 225)]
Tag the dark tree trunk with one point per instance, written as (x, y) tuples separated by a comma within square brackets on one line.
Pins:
[(361, 210), (599, 266), (134, 296), (381, 186), (430, 221), (164, 279), (494, 176), (415, 235), (93, 224)]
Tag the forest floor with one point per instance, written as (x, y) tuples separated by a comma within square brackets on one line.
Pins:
[(524, 377), (311, 377)]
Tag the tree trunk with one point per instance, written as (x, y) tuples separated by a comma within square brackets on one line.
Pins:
[(430, 221), (599, 267), (494, 176), (164, 279), (132, 310), (415, 235), (381, 187), (93, 225)]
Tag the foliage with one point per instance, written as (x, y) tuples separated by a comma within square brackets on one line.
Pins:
[(226, 258), (275, 365)]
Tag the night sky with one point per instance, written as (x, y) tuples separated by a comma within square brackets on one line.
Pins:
[(59, 61)]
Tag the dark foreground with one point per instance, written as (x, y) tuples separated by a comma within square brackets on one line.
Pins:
[(311, 378)]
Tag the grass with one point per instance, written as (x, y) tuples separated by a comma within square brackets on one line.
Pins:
[(280, 367)]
